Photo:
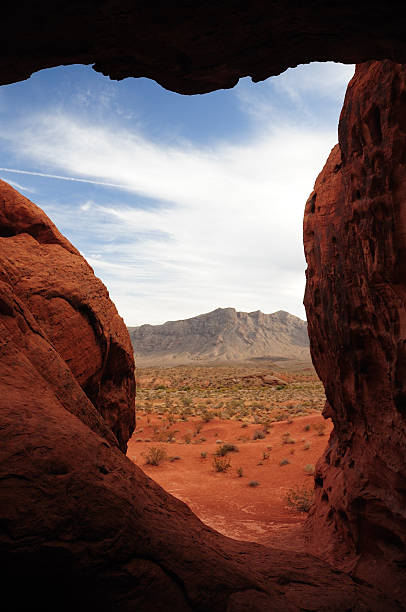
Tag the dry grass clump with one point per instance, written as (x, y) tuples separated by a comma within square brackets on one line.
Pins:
[(155, 455), (287, 439), (300, 498), (221, 464), (309, 469), (226, 448)]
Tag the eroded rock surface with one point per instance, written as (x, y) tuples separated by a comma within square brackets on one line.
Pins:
[(60, 315), (355, 243)]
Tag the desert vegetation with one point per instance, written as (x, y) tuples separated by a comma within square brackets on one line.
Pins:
[(227, 393), (210, 435)]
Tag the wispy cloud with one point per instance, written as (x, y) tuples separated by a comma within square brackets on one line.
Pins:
[(56, 176), (225, 228)]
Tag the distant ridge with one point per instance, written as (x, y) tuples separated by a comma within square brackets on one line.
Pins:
[(222, 335)]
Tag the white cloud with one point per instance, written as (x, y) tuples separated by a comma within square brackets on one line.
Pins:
[(226, 229)]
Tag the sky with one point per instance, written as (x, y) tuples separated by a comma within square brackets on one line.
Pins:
[(181, 204)]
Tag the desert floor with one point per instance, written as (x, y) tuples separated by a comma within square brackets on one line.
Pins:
[(188, 414)]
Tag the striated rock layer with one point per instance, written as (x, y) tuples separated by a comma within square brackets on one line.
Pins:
[(355, 243), (81, 527)]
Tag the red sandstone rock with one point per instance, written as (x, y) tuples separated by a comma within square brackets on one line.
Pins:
[(46, 281), (355, 243), (81, 527)]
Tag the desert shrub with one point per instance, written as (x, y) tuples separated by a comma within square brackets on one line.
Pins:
[(306, 446), (240, 472), (170, 435), (309, 469), (203, 455), (187, 438), (160, 387), (198, 428), (221, 464), (253, 483), (258, 435), (306, 427), (267, 425), (244, 425), (176, 458), (226, 448), (320, 428), (155, 455), (286, 439), (284, 462), (265, 455), (300, 498)]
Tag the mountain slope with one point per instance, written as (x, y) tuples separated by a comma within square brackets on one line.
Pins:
[(222, 335)]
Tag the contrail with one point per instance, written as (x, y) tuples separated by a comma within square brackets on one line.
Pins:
[(63, 178)]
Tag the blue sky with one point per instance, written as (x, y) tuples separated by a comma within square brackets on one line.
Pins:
[(183, 203)]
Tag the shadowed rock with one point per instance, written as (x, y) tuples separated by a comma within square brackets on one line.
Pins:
[(355, 243), (196, 47)]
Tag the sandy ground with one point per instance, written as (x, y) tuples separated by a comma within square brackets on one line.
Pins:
[(224, 500)]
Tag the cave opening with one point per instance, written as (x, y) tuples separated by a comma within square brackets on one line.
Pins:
[(183, 205), (77, 510)]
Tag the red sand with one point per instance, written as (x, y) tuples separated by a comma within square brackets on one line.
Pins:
[(225, 501)]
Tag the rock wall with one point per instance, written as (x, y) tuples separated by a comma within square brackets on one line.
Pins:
[(60, 315), (355, 244)]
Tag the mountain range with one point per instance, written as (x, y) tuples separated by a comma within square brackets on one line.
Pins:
[(223, 335)]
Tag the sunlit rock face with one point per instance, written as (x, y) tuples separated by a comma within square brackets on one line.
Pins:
[(355, 243), (60, 316), (199, 46)]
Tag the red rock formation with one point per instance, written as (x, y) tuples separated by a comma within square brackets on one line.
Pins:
[(81, 527), (355, 243), (48, 283)]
